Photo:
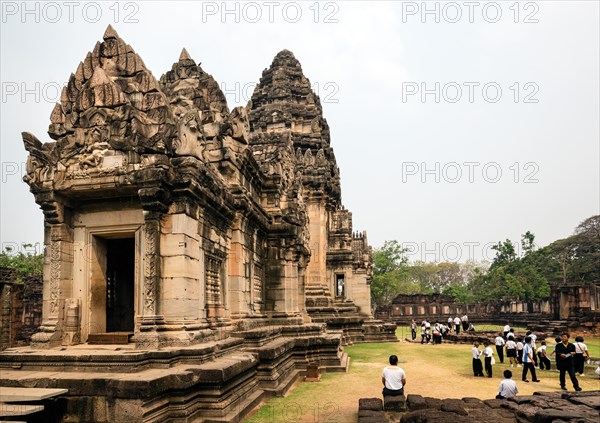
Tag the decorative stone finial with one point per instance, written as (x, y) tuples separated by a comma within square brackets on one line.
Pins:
[(110, 33), (184, 55)]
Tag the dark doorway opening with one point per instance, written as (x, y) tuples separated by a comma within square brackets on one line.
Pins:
[(120, 271)]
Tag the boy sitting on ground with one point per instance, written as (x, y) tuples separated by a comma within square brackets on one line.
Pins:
[(508, 387)]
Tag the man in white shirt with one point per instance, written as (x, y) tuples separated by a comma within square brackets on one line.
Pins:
[(393, 378), (465, 322), (457, 324), (508, 387), (499, 342), (506, 330)]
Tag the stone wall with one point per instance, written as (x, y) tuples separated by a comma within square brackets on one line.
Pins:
[(21, 309), (581, 407), (434, 307)]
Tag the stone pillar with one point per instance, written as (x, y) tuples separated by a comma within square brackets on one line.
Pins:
[(58, 275), (238, 273), (146, 334), (282, 281), (317, 217)]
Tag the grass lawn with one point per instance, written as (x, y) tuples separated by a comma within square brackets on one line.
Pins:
[(442, 371)]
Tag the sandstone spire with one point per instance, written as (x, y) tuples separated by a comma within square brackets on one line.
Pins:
[(184, 55), (284, 105)]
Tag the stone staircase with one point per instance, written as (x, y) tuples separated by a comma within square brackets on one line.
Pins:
[(343, 316), (551, 327)]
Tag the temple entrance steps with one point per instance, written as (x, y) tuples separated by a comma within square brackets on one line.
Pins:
[(341, 315)]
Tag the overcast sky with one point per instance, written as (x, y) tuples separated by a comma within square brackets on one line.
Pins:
[(454, 127)]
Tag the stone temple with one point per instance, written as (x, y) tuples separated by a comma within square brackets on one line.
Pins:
[(197, 259)]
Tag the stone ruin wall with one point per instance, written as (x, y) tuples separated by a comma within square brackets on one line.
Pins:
[(575, 306), (21, 308)]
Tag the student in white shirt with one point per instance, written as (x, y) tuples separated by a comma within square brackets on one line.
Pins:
[(393, 378), (499, 342), (543, 357), (510, 334), (457, 324), (477, 367), (506, 329), (511, 351), (581, 354), (488, 354), (520, 351), (508, 387)]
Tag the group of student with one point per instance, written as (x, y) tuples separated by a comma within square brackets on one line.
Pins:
[(524, 353), (436, 332)]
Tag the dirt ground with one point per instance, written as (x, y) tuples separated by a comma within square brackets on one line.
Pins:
[(442, 371)]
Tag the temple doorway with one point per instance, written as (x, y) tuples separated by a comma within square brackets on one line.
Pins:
[(120, 273), (112, 289)]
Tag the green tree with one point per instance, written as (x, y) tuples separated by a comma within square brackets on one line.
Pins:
[(24, 264), (390, 274)]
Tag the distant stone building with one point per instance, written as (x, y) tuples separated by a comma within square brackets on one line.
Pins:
[(212, 242), (573, 306)]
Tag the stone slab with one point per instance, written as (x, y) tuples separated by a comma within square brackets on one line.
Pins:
[(8, 394), (9, 410)]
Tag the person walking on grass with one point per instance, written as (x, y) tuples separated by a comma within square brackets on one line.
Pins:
[(528, 353), (393, 378), (564, 362), (477, 367), (533, 339), (581, 354), (506, 330), (489, 357), (508, 387), (511, 351), (543, 357), (499, 341), (520, 351), (413, 329), (510, 334)]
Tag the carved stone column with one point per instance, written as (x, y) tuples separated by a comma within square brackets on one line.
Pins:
[(149, 315), (58, 275)]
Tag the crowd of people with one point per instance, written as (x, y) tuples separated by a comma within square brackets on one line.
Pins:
[(522, 352), (434, 334)]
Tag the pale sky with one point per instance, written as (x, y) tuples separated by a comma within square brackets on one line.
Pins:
[(453, 127)]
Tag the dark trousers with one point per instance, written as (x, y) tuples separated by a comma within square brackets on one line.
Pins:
[(520, 356), (457, 329), (477, 367), (528, 367), (500, 350), (414, 334), (578, 363), (488, 366), (465, 326), (392, 393), (571, 372), (544, 362)]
